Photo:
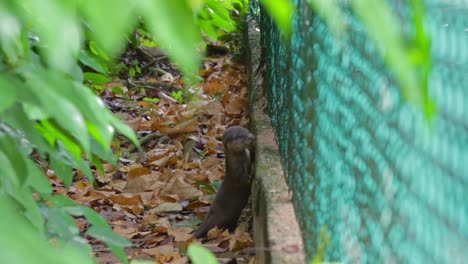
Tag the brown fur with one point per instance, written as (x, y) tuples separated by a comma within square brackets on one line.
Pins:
[(235, 189)]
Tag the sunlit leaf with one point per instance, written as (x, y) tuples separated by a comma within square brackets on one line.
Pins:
[(200, 255), (282, 13), (96, 78)]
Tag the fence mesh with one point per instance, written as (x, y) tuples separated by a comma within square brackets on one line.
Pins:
[(374, 182)]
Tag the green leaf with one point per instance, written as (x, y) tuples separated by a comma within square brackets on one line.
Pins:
[(62, 201), (153, 100), (200, 255), (9, 179), (206, 185), (65, 113), (13, 160), (91, 62), (97, 51), (209, 29), (61, 224), (63, 170), (113, 240), (52, 133), (96, 78), (84, 167), (119, 252), (31, 209), (17, 118), (220, 15), (8, 92), (126, 131), (37, 180), (76, 73), (118, 90), (100, 118)]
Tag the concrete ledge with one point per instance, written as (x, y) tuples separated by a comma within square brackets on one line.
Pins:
[(276, 230)]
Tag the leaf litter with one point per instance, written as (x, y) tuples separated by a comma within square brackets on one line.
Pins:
[(156, 196)]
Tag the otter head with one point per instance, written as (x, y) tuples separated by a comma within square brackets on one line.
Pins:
[(237, 139)]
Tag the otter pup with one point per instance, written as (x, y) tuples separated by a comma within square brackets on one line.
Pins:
[(235, 189)]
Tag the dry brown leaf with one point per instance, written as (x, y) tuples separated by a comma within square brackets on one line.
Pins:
[(150, 218), (194, 205), (125, 199), (237, 105), (117, 184), (147, 182), (108, 167), (103, 178), (213, 108), (83, 192), (253, 260), (214, 232), (125, 228), (147, 198), (160, 250), (212, 147), (189, 113), (213, 247), (133, 123), (182, 260), (184, 190), (184, 126), (213, 168), (135, 172), (180, 234), (168, 257), (171, 198), (130, 167), (136, 185), (240, 239), (213, 87), (163, 161), (161, 151), (167, 207)]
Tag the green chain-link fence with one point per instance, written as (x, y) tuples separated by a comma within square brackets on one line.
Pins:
[(370, 175)]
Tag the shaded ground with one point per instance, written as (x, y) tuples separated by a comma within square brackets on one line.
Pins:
[(155, 197)]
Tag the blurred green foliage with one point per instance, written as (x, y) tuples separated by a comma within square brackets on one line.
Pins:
[(216, 17), (200, 255), (49, 48)]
